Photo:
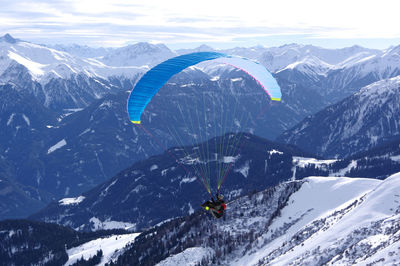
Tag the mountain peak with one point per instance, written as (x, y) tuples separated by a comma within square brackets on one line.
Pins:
[(147, 47), (204, 48), (291, 45), (395, 50), (8, 38)]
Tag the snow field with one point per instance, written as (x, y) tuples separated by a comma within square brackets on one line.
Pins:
[(326, 198), (189, 257), (109, 245)]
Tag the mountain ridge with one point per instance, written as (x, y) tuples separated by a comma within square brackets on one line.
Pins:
[(360, 122)]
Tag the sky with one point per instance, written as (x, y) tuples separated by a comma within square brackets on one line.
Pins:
[(217, 23)]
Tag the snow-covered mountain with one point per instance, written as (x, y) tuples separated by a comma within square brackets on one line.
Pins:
[(278, 58), (158, 188), (56, 78), (368, 118), (139, 55), (316, 221), (360, 71), (329, 66), (44, 63), (201, 48), (332, 73), (82, 50)]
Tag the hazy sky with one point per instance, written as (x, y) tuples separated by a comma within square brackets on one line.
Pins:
[(218, 23)]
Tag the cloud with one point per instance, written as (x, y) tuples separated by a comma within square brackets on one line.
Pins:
[(118, 22)]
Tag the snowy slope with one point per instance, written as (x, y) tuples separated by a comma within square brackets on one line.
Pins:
[(317, 198), (189, 257), (317, 221), (362, 222), (311, 65), (109, 245)]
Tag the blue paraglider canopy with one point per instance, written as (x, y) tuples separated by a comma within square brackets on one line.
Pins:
[(155, 78)]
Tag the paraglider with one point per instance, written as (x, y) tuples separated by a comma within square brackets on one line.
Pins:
[(154, 79), (216, 207)]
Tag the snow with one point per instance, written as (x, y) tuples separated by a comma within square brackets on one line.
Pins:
[(138, 188), (310, 62), (189, 257), (342, 172), (317, 198), (390, 255), (97, 224), (375, 240), (395, 158), (104, 192), (230, 159), (273, 151), (11, 233), (28, 122), (324, 195), (109, 245), (377, 89), (84, 132), (71, 201), (244, 170), (356, 59), (187, 180), (57, 146), (153, 167), (45, 64), (191, 210), (10, 119), (73, 110), (304, 161), (34, 68), (106, 103), (365, 211)]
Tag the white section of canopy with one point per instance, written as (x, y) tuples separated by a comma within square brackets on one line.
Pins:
[(257, 71)]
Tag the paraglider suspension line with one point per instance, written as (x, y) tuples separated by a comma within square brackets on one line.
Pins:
[(172, 156), (241, 146)]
